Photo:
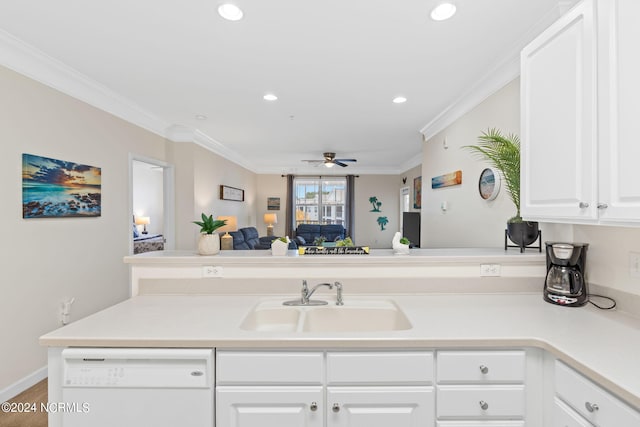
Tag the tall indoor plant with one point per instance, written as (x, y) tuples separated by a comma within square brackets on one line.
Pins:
[(503, 153), (209, 242)]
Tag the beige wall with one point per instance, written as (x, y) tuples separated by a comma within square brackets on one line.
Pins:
[(271, 186), (45, 261), (469, 221), (387, 189)]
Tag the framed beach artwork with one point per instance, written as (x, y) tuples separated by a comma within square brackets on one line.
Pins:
[(54, 188), (447, 180)]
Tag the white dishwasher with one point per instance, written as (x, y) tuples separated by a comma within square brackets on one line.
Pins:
[(109, 387)]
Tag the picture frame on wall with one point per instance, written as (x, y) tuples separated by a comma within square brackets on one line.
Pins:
[(231, 193), (53, 188), (273, 203), (417, 193)]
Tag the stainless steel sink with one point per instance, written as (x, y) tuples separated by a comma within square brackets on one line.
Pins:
[(356, 315)]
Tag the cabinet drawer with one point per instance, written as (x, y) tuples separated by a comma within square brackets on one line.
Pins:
[(399, 368), (494, 401), (263, 367), (582, 395), (564, 416), (480, 366)]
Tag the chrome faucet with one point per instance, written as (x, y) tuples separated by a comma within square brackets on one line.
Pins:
[(306, 293)]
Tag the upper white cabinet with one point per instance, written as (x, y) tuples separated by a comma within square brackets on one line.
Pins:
[(579, 91)]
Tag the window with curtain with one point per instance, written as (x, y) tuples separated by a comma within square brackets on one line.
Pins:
[(320, 200)]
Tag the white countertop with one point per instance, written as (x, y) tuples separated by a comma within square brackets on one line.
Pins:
[(602, 345)]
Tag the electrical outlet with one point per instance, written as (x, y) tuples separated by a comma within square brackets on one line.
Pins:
[(489, 270), (634, 264), (211, 271)]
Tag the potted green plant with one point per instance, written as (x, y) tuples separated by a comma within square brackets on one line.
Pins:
[(346, 242), (318, 241), (209, 242), (503, 153)]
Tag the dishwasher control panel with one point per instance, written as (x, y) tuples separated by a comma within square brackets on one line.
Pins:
[(178, 368)]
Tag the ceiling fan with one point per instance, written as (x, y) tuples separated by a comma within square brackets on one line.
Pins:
[(330, 160)]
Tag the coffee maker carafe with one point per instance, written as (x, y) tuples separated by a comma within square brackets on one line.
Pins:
[(565, 283)]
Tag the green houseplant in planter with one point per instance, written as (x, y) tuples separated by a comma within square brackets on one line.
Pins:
[(209, 242), (503, 153)]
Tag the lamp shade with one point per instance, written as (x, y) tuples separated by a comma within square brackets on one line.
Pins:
[(143, 220), (270, 218), (231, 225)]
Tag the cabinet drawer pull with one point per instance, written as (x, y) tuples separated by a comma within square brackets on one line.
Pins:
[(602, 206), (484, 369), (313, 406), (484, 405), (591, 407), (583, 205), (335, 407)]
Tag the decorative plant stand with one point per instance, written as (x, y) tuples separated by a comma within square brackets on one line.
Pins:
[(523, 247)]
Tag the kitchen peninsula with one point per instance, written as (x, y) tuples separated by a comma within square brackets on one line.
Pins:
[(466, 308)]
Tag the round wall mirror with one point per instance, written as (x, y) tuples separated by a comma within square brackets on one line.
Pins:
[(489, 183)]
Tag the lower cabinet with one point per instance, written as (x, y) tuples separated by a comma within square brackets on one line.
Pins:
[(593, 404), (380, 406), (282, 406), (317, 389)]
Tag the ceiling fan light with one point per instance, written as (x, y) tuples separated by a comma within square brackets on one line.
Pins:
[(329, 164), (230, 12), (443, 11)]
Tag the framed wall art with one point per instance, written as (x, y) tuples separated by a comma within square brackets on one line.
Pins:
[(273, 203), (446, 180), (231, 193), (54, 188), (417, 193), (489, 184)]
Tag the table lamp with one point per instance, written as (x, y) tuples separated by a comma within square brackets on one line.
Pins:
[(226, 240), (143, 220), (270, 219)]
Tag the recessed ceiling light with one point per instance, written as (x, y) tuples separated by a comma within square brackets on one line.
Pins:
[(399, 100), (443, 11), (230, 12), (201, 117), (270, 97)]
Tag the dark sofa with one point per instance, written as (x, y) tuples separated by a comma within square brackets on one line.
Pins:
[(307, 233), (248, 238)]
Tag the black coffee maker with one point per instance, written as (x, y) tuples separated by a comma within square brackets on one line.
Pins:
[(565, 283)]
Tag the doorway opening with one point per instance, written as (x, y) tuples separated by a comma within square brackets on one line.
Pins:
[(151, 192)]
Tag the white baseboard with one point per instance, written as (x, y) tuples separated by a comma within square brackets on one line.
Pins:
[(23, 384)]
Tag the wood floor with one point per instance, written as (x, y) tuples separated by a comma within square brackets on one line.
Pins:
[(36, 394)]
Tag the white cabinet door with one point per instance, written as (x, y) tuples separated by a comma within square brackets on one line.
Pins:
[(619, 99), (380, 406), (559, 120), (269, 406)]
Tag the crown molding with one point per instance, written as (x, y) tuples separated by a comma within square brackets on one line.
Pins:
[(33, 63), (180, 133), (504, 72)]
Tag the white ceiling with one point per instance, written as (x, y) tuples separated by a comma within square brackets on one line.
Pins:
[(334, 64)]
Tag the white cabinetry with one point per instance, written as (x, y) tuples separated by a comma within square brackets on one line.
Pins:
[(269, 389), (482, 387), (283, 388), (591, 402), (580, 95)]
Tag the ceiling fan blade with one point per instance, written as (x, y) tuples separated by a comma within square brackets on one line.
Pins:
[(313, 161), (339, 163), (345, 160)]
